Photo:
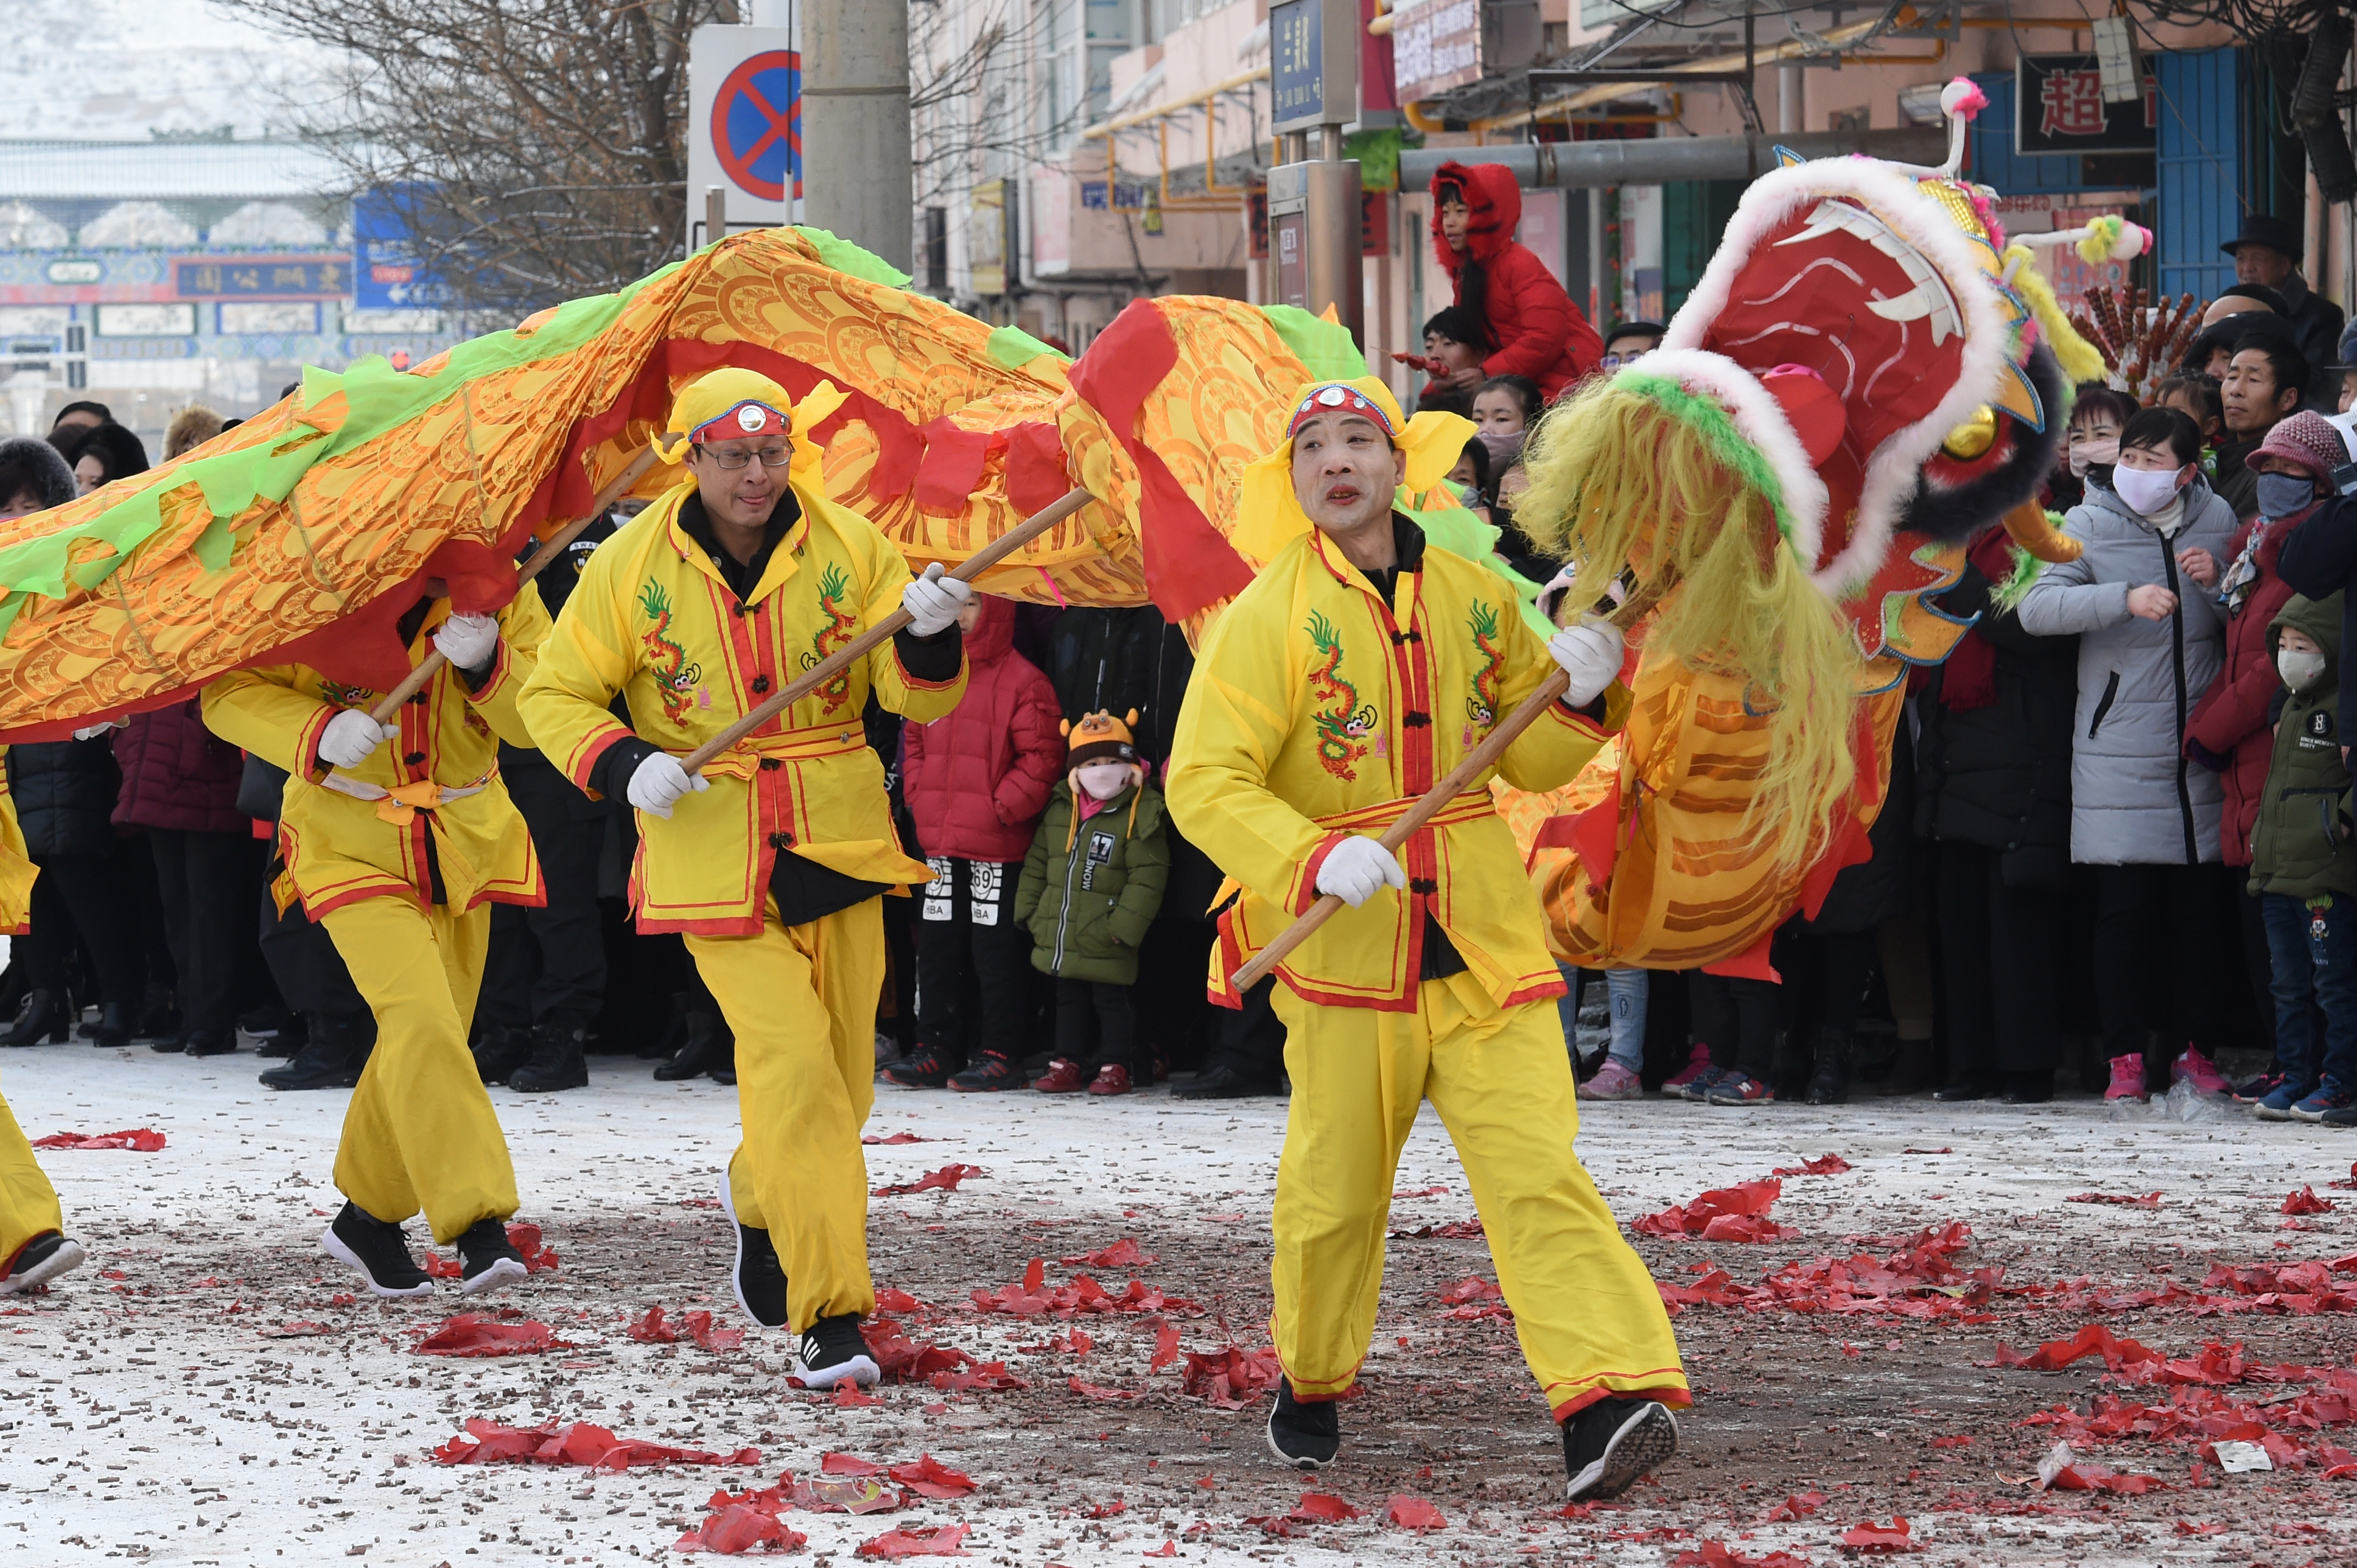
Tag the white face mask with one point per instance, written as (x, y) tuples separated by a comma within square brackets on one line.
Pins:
[(2090, 454), (2149, 490), (1104, 779), (2299, 668)]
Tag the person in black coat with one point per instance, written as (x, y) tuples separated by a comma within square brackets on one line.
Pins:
[(2318, 560), (1993, 792)]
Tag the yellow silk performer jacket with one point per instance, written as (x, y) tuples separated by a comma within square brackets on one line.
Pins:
[(1317, 711), (362, 833), (17, 868), (653, 620)]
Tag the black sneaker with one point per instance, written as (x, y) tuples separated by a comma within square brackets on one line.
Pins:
[(929, 1068), (988, 1073), (39, 1261), (758, 1279), (1222, 1082), (556, 1062), (208, 1042), (1306, 1435), (487, 1259), (378, 1250), (1614, 1444), (832, 1351), (500, 1051)]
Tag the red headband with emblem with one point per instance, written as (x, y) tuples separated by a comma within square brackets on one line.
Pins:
[(747, 418), (1338, 400)]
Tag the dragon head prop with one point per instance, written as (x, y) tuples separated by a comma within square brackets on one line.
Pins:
[(1854, 388)]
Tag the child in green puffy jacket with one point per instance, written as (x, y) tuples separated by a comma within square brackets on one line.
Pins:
[(1090, 888)]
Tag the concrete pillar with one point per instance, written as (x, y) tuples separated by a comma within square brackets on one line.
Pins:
[(1791, 93), (856, 164)]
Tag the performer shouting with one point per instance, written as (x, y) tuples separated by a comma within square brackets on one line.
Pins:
[(399, 850), (772, 859), (1357, 669)]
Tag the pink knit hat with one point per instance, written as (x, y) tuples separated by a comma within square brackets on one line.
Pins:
[(2308, 439)]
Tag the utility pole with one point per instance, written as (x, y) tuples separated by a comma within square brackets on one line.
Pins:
[(1313, 223), (855, 161)]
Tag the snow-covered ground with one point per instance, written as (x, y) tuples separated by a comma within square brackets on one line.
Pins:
[(152, 1415)]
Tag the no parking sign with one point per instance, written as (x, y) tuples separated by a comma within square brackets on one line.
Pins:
[(745, 110)]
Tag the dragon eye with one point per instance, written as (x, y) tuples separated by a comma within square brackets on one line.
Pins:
[(1974, 437)]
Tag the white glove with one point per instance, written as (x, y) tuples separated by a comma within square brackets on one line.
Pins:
[(350, 735), (1356, 867), (1589, 653), (933, 601), (468, 641), (659, 783), (91, 732)]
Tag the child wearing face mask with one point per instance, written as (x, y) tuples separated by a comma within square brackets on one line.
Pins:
[(2304, 870), (2143, 815), (1090, 890), (2228, 732)]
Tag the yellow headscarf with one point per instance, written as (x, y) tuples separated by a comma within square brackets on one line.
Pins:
[(1269, 514), (715, 393)]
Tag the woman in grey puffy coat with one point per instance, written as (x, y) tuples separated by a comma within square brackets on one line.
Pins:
[(2150, 640)]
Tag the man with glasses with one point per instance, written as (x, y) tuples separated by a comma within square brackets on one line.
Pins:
[(772, 858), (1629, 341)]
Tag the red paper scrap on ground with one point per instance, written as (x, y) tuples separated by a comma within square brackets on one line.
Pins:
[(2063, 1471), (2126, 1200), (1166, 1345), (469, 1334), (1033, 1298), (1093, 1392), (945, 1179), (700, 1329), (2095, 1339), (896, 1138), (738, 1527), (1823, 1165), (1718, 1554), (651, 1329), (1724, 1214), (1795, 1509), (145, 1140), (1413, 1513), (1319, 1507), (848, 1465), (848, 1396), (890, 1300), (902, 1359), (1122, 1254), (1872, 1537), (941, 1542), (1454, 1230), (523, 1238), (576, 1443), (1168, 1549), (1231, 1378), (990, 1376), (2305, 1201)]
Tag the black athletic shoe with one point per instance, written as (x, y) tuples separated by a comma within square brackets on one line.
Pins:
[(832, 1351), (487, 1259), (988, 1073), (556, 1062), (500, 1051), (1614, 1444), (1222, 1082), (758, 1277), (1306, 1435), (929, 1068), (378, 1250), (208, 1042), (39, 1261)]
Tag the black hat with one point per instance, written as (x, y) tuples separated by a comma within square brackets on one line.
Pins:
[(2276, 233), (1636, 329), (2269, 297)]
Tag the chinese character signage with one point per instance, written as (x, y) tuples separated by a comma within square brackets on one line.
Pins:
[(1436, 46), (1295, 58), (2059, 108), (244, 277)]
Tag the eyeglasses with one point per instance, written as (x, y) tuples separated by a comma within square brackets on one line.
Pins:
[(738, 458), (1614, 361)]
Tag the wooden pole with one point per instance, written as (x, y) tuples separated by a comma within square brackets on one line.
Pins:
[(414, 682), (858, 648), (1477, 761)]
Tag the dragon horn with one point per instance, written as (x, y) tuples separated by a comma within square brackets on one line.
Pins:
[(2031, 526)]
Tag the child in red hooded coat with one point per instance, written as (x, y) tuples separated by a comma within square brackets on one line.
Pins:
[(1535, 328)]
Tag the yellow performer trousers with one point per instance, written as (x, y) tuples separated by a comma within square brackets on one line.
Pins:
[(1590, 1322), (420, 1133), (29, 1204), (802, 1002)]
